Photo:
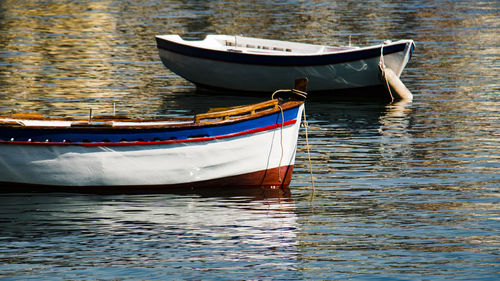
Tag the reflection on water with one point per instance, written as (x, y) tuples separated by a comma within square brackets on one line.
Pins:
[(402, 191), (391, 200), (64, 57), (78, 236)]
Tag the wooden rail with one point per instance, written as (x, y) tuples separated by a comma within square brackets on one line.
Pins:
[(226, 113)]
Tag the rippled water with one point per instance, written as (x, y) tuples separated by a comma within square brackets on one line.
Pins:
[(401, 191)]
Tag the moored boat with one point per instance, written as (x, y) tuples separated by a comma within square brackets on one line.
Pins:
[(244, 146), (240, 63)]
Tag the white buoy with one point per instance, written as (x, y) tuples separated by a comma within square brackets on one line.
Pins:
[(397, 89)]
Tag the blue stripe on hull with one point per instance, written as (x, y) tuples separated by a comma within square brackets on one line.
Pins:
[(116, 134)]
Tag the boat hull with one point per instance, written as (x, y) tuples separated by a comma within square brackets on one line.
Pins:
[(262, 157), (232, 185), (263, 73)]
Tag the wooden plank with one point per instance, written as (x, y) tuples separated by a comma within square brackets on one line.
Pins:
[(22, 115), (217, 109), (92, 124), (11, 123), (238, 111)]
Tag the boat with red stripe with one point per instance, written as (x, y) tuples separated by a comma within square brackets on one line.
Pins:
[(252, 145)]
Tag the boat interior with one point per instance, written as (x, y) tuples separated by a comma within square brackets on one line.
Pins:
[(213, 115), (241, 44)]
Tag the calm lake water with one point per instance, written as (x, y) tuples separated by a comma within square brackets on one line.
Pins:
[(401, 191)]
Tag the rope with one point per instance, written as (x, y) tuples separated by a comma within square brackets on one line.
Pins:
[(294, 91), (300, 93), (277, 92), (281, 142), (306, 125), (381, 65), (303, 95)]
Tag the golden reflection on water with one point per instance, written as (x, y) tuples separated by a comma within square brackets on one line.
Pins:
[(61, 37), (64, 58)]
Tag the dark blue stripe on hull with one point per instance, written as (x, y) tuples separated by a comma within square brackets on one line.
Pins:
[(116, 134), (269, 60)]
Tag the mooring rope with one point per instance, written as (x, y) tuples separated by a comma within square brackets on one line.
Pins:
[(381, 65), (306, 126), (300, 93), (281, 142), (303, 95)]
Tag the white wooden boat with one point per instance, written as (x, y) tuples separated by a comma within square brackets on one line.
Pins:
[(261, 65), (244, 146)]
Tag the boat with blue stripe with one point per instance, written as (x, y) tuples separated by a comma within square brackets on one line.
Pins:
[(107, 130), (250, 146), (247, 64)]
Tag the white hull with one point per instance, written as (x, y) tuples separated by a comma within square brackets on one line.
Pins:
[(148, 165), (240, 74), (256, 78)]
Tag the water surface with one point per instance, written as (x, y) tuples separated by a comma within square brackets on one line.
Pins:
[(404, 191)]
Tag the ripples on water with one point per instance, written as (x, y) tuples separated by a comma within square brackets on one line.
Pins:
[(402, 191), (144, 237)]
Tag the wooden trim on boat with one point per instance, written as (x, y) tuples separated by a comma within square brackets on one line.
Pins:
[(226, 113), (99, 124), (11, 123), (29, 116), (212, 117)]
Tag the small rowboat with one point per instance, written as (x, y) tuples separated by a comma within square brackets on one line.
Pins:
[(238, 63), (244, 146)]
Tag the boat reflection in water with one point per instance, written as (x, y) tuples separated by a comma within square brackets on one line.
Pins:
[(169, 231)]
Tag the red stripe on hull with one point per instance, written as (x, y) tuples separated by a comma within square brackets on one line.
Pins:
[(277, 179), (133, 143)]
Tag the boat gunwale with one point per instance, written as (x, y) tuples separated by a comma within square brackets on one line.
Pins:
[(288, 59), (289, 105), (99, 125)]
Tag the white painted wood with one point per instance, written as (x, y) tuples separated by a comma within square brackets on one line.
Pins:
[(156, 164)]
